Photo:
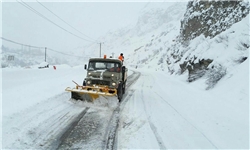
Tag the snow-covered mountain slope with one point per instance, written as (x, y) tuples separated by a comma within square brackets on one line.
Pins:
[(155, 29), (156, 42)]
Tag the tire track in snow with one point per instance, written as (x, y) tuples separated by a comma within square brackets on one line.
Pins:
[(39, 112), (152, 126), (71, 126), (111, 132), (41, 124), (187, 120), (52, 126), (48, 131)]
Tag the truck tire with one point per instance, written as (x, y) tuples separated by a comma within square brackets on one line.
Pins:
[(120, 92), (124, 87), (84, 83)]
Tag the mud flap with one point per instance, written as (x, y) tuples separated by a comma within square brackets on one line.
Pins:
[(120, 92)]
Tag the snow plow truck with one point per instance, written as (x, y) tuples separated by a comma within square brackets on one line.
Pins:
[(106, 77)]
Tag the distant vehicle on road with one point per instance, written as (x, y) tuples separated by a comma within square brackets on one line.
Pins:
[(43, 65)]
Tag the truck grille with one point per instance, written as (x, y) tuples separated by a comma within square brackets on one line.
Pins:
[(100, 82), (96, 76)]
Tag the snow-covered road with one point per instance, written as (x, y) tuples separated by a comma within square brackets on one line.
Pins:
[(39, 118), (165, 112), (159, 111)]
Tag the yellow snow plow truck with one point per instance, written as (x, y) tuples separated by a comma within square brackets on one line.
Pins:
[(106, 77)]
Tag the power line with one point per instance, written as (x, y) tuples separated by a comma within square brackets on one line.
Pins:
[(38, 47), (63, 53), (39, 14), (63, 20), (20, 43)]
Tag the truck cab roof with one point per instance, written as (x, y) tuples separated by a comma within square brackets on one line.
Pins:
[(106, 60)]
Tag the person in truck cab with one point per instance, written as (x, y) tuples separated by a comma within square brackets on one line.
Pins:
[(116, 68)]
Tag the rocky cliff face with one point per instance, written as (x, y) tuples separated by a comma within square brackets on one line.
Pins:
[(206, 20), (211, 17)]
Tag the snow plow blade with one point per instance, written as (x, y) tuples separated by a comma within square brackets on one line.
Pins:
[(91, 93)]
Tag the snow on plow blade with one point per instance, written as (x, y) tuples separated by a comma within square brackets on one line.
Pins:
[(91, 93)]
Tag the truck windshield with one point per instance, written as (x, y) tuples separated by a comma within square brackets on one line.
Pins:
[(109, 66)]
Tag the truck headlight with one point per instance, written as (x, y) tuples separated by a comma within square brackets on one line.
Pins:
[(113, 84), (112, 74), (88, 82), (89, 73)]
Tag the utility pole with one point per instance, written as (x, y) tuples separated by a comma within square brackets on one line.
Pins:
[(45, 53), (100, 49)]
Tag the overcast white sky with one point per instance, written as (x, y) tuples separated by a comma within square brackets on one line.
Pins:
[(93, 19)]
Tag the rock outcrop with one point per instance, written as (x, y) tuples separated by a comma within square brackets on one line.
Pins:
[(211, 17)]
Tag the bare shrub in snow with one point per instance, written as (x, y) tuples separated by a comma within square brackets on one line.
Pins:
[(214, 74), (241, 60), (196, 75), (160, 61), (242, 46), (221, 38), (143, 60), (4, 65)]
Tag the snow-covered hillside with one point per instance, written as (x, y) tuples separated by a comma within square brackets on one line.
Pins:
[(156, 41), (155, 30)]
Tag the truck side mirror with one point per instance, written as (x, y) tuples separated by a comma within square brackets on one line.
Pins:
[(85, 66)]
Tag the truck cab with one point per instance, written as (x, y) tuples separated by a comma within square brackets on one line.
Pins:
[(108, 72)]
